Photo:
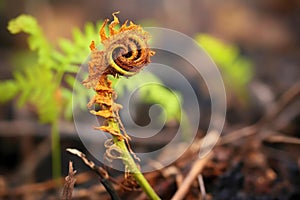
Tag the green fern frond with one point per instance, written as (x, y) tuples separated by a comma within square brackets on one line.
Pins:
[(39, 84), (36, 40), (8, 90), (35, 85), (236, 70), (75, 51), (152, 91)]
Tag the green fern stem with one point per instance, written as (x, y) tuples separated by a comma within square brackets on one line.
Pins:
[(55, 147), (130, 163)]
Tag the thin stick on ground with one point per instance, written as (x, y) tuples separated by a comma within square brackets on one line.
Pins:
[(284, 101), (69, 184), (272, 113), (280, 138), (31, 162), (104, 178), (202, 187), (46, 186), (192, 175)]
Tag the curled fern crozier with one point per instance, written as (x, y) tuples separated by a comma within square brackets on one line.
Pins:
[(126, 51)]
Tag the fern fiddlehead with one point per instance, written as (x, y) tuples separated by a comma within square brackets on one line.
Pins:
[(125, 53)]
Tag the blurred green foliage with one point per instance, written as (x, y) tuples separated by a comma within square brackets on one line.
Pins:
[(151, 90), (236, 70), (46, 76), (46, 79), (46, 82)]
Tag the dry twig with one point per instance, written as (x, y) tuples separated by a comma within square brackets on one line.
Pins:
[(31, 161), (202, 187), (280, 138), (192, 175), (104, 177), (69, 184), (272, 113)]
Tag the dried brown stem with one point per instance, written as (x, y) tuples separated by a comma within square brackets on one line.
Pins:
[(104, 177), (69, 184), (30, 163), (43, 187), (275, 137), (273, 112), (192, 175), (202, 187), (285, 100)]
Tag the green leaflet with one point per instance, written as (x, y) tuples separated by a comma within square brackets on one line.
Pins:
[(152, 91), (40, 82), (236, 70), (36, 40), (8, 90)]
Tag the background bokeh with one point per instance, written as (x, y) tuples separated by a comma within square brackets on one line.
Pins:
[(265, 32)]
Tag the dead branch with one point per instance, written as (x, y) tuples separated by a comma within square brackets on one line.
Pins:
[(192, 175), (202, 187), (275, 137), (30, 162), (272, 113), (44, 186), (69, 184), (104, 177), (284, 101)]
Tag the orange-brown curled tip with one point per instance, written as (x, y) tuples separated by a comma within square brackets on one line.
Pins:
[(115, 13), (92, 46), (152, 53)]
